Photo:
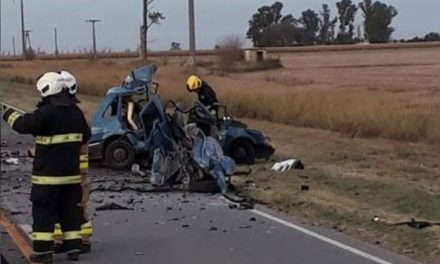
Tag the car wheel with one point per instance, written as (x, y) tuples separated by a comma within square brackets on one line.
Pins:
[(119, 155), (242, 151)]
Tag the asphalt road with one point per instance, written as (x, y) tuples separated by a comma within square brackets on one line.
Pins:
[(173, 228)]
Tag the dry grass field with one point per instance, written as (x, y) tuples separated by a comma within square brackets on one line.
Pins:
[(372, 93), (365, 123)]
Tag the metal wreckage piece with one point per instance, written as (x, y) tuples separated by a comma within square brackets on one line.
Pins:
[(193, 158)]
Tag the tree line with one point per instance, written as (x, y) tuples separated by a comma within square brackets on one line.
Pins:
[(269, 27)]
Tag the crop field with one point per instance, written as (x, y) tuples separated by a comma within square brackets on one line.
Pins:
[(365, 123)]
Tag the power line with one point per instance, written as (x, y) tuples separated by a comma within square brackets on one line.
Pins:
[(93, 21)]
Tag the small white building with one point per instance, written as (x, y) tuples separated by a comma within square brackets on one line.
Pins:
[(255, 55)]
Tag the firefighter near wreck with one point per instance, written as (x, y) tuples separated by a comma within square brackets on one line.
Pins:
[(60, 129), (204, 91), (86, 224)]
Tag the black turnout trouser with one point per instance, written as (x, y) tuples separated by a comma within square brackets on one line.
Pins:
[(51, 203)]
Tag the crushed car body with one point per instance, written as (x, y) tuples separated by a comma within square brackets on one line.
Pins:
[(119, 146)]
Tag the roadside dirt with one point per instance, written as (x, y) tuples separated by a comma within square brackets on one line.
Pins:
[(351, 181)]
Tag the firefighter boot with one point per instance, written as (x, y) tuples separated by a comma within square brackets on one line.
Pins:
[(86, 248), (41, 258), (73, 256)]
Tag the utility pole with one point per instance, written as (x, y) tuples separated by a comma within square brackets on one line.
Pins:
[(144, 28), (23, 40), (192, 38), (29, 52), (56, 43), (93, 21), (13, 46)]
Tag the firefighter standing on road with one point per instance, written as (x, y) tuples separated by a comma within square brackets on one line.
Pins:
[(60, 129), (86, 227)]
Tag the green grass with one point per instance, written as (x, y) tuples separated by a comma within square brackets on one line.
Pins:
[(357, 200), (402, 199)]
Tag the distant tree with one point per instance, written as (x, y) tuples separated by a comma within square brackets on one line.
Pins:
[(347, 13), (326, 26), (268, 27), (433, 36), (415, 39), (152, 18), (175, 46), (377, 20), (310, 23), (155, 18), (280, 35)]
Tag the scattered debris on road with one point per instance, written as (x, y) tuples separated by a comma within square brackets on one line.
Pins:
[(213, 228), (136, 169), (98, 200), (112, 206), (17, 212), (11, 161)]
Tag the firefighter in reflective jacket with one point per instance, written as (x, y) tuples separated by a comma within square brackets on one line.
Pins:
[(60, 129), (86, 226)]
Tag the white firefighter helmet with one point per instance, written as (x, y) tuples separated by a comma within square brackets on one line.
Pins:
[(70, 82), (50, 83)]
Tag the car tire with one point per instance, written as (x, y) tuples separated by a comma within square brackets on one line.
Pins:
[(242, 151), (119, 155)]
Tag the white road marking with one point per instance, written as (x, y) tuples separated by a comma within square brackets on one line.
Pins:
[(322, 238)]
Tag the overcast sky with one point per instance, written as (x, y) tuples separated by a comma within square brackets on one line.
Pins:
[(216, 19)]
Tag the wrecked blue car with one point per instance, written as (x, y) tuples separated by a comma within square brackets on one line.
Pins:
[(116, 143)]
